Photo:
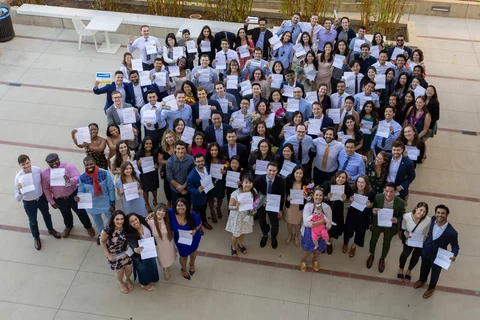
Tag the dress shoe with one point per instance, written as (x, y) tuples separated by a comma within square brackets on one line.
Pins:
[(351, 254), (428, 293), (263, 242), (91, 232), (37, 243), (418, 284), (329, 249), (66, 232), (381, 265), (345, 248), (55, 234), (370, 261), (274, 243), (206, 225)]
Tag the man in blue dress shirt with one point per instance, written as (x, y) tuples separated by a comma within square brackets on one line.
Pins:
[(302, 143), (350, 161), (183, 112), (385, 144)]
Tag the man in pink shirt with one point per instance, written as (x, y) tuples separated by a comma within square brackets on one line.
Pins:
[(61, 194)]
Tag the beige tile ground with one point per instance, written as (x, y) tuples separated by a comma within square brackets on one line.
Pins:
[(17, 311)]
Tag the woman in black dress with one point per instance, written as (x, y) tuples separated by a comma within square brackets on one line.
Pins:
[(215, 156), (339, 179), (150, 181)]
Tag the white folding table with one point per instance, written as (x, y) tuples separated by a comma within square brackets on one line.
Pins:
[(106, 24)]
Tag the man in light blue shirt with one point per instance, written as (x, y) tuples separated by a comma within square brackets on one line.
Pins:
[(350, 161), (361, 37), (159, 66), (302, 143), (203, 75), (243, 132), (304, 106), (366, 95), (401, 67), (256, 62), (184, 111), (385, 144), (291, 26)]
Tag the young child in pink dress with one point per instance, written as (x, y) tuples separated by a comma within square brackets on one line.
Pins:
[(319, 231)]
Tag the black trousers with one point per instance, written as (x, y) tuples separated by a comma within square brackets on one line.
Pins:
[(202, 211), (262, 218), (319, 177), (416, 254), (178, 195), (147, 67), (66, 205), (156, 135), (427, 265)]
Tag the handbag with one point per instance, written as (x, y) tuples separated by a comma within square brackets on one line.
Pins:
[(401, 234)]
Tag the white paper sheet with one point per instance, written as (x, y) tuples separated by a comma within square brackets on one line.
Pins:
[(335, 115), (137, 65), (246, 201), (205, 46), (359, 202), (311, 75), (443, 258), (244, 52), (174, 71), (56, 177), (85, 201), (289, 131), (277, 80), (161, 78), (191, 47), (232, 83), (275, 42), (287, 92), (204, 112), (314, 126), (379, 81), (273, 202), (255, 141), (367, 125), (270, 122), (135, 167), (293, 105), (385, 217), (357, 44), (337, 192), (383, 130), (129, 115), (185, 237), (412, 152), (311, 96), (187, 135), (148, 164), (131, 191), (103, 77), (224, 105), (299, 50), (396, 52), (419, 91), (232, 179), (261, 167), (238, 121), (83, 135), (26, 181), (177, 53), (216, 170), (296, 197), (149, 248), (416, 240), (287, 168), (126, 131), (338, 61), (151, 49), (374, 51), (207, 183)]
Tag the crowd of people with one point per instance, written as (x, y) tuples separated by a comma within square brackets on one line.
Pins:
[(314, 125)]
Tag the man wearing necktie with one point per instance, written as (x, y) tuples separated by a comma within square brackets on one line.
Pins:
[(351, 162), (327, 149), (271, 183), (301, 145), (148, 46)]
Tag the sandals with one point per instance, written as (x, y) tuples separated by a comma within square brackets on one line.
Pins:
[(192, 272), (408, 277), (234, 252), (129, 285), (123, 288), (289, 239), (219, 213), (214, 217), (400, 277), (243, 249), (185, 276), (297, 240)]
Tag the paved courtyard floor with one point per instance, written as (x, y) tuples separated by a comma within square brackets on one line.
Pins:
[(45, 91)]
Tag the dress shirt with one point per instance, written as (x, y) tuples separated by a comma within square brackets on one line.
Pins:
[(361, 98), (122, 91), (382, 69), (352, 43), (323, 37), (232, 151), (284, 54), (119, 111), (305, 108), (438, 231), (250, 68), (334, 149), (219, 135), (269, 181), (260, 40), (350, 87), (229, 55), (137, 90), (393, 169), (55, 192), (141, 45), (337, 101), (245, 133), (185, 113), (178, 170), (377, 141), (37, 183), (164, 69), (160, 123), (294, 29), (307, 144), (307, 27), (355, 165), (398, 71), (202, 174), (207, 85)]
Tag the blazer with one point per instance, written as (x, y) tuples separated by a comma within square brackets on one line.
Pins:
[(145, 89), (398, 211), (405, 175), (326, 122), (210, 133), (108, 89), (405, 48), (255, 33), (196, 115), (448, 237), (278, 187), (297, 85), (112, 115), (197, 198), (242, 152), (351, 34), (217, 39)]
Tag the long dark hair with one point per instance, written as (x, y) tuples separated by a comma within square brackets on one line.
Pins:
[(255, 129), (208, 157), (298, 112), (291, 176), (322, 55), (315, 61), (398, 86), (281, 158), (283, 69), (309, 39), (141, 152), (229, 68), (108, 128), (368, 186), (385, 165), (356, 128), (111, 224), (171, 36), (373, 113), (188, 214), (262, 77), (201, 134), (202, 37), (124, 166), (333, 181), (166, 219), (118, 155), (194, 88), (130, 230), (347, 49), (270, 155), (248, 177), (404, 140)]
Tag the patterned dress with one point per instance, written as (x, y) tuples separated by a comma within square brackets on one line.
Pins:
[(116, 244), (239, 222)]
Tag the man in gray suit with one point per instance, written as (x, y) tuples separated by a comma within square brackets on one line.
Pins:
[(115, 111)]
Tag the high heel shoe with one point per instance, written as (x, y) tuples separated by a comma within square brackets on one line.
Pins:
[(192, 272), (214, 217), (186, 276), (219, 213), (289, 239)]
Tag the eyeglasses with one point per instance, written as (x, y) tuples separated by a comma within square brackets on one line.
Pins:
[(115, 98), (400, 40)]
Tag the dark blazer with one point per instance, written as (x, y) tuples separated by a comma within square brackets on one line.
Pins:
[(405, 48), (255, 33), (217, 39), (326, 122), (278, 187), (197, 198), (448, 237), (195, 112), (351, 34), (108, 89), (145, 89), (210, 133), (398, 211), (242, 152), (405, 175), (112, 115)]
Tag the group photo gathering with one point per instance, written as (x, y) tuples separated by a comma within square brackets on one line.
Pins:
[(303, 146)]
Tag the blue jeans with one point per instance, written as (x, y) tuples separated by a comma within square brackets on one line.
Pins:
[(98, 220), (31, 209)]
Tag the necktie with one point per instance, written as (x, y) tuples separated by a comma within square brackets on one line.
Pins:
[(148, 56), (325, 157), (226, 58), (356, 84), (300, 151), (269, 187), (345, 164), (383, 142), (339, 103), (311, 34)]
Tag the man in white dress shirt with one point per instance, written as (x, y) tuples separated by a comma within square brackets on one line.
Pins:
[(338, 98), (28, 189), (143, 44)]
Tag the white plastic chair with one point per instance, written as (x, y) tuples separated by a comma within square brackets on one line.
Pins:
[(83, 32)]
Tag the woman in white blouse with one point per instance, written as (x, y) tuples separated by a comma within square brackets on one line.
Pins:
[(307, 243), (415, 226)]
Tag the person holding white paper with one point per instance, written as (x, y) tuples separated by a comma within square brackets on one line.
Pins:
[(205, 44), (190, 47), (122, 154), (302, 144), (325, 62), (243, 129), (215, 161), (356, 222), (360, 39), (270, 184), (441, 234), (351, 130), (304, 106), (226, 54), (153, 127), (115, 246), (368, 125), (401, 67), (366, 94), (294, 203), (244, 46), (347, 109), (181, 110), (183, 72), (287, 154), (256, 62), (308, 71), (380, 143), (198, 194), (263, 153), (387, 200), (234, 176), (144, 44), (240, 223), (178, 167), (285, 53), (150, 181), (414, 147), (118, 85), (146, 270), (202, 109), (204, 75), (129, 176), (400, 44), (28, 189), (95, 148), (169, 50), (414, 224), (226, 100), (401, 170), (185, 225), (338, 181), (115, 112), (160, 78), (319, 121)]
